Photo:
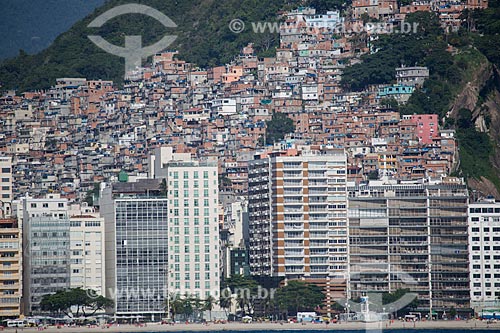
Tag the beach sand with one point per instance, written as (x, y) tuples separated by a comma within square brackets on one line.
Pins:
[(457, 325)]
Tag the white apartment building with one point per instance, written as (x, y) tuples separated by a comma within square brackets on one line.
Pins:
[(87, 249), (484, 253), (5, 186), (63, 248), (193, 222)]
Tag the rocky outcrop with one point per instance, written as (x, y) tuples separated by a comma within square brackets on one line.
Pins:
[(481, 95), (469, 95)]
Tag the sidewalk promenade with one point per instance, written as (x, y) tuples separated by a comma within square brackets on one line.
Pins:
[(152, 327)]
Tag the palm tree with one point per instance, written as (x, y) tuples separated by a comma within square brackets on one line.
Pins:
[(226, 300), (197, 305), (210, 301), (176, 305), (187, 306)]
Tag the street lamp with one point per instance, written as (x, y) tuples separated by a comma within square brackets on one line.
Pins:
[(347, 306)]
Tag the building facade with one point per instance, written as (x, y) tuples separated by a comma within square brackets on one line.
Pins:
[(87, 252), (194, 246), (484, 253), (411, 235), (5, 186), (136, 244), (162, 236), (10, 269), (298, 217), (46, 258)]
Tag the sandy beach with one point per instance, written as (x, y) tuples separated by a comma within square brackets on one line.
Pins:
[(452, 325)]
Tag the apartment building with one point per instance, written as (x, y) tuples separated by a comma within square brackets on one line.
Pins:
[(411, 235), (484, 253), (136, 244), (46, 258), (234, 235), (5, 186), (412, 76), (10, 269), (298, 216), (162, 235), (193, 195), (87, 264)]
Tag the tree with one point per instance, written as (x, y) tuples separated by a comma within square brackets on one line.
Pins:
[(300, 296), (388, 298), (245, 289), (225, 299), (176, 305), (453, 312), (210, 301), (66, 301), (277, 127), (92, 194), (163, 187)]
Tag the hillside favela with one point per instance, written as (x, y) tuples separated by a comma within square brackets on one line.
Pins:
[(250, 166)]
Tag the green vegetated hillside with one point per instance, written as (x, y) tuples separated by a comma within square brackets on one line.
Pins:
[(463, 87), (204, 38), (33, 25)]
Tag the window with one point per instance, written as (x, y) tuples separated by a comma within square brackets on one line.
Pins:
[(5, 170)]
